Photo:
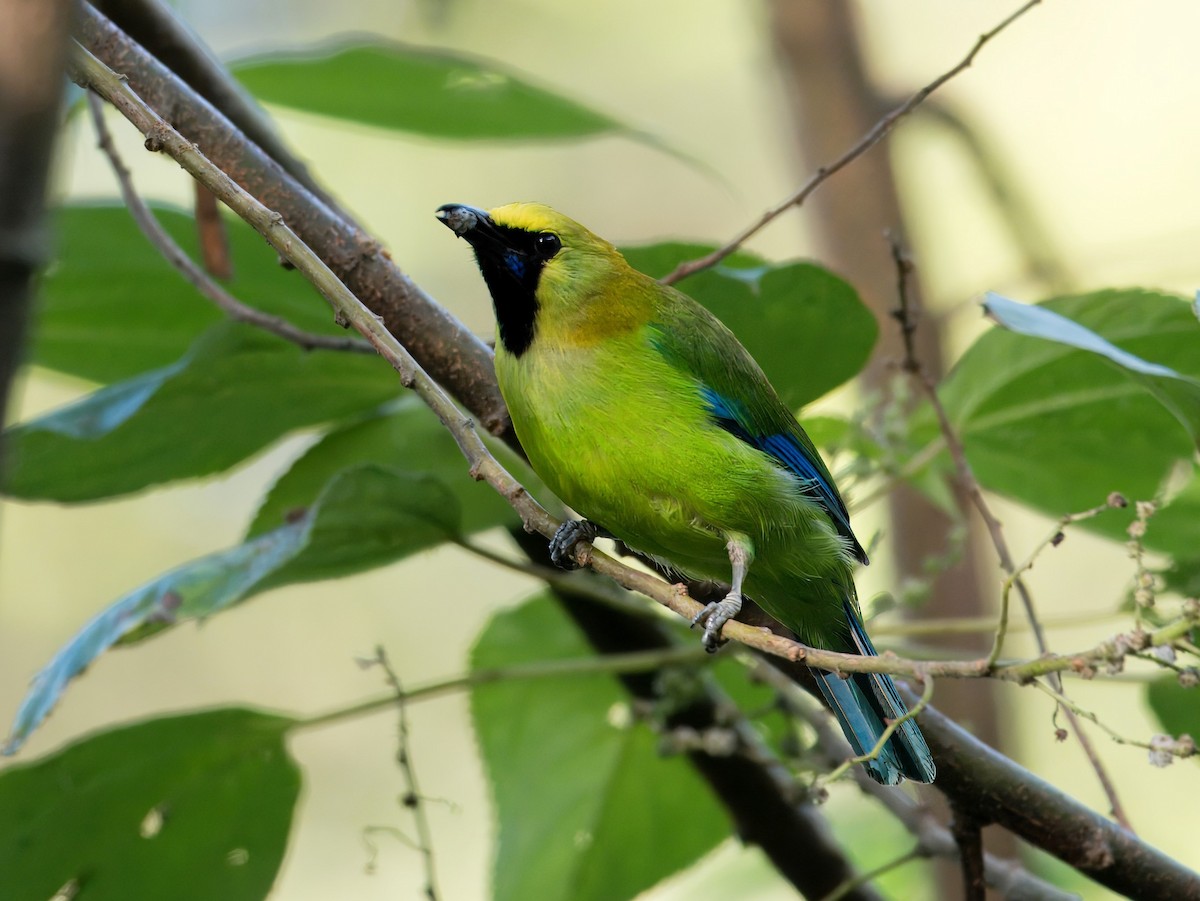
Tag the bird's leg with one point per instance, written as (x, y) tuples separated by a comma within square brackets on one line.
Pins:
[(569, 534), (718, 613)]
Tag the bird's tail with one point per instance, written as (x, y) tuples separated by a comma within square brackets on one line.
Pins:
[(863, 704)]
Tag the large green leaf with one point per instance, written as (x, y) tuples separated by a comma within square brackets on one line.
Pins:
[(805, 326), (1059, 428), (236, 390), (365, 517), (111, 307), (184, 807), (1179, 393), (587, 808), (436, 93), (407, 437)]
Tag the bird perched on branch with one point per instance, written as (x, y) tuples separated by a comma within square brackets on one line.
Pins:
[(641, 411)]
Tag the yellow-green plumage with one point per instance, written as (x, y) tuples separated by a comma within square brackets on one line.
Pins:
[(644, 413)]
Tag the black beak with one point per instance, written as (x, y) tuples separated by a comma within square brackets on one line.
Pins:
[(461, 219), (476, 227)]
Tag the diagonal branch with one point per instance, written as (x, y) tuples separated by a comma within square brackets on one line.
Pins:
[(155, 26)]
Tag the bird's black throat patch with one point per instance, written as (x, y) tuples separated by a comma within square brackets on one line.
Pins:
[(511, 265)]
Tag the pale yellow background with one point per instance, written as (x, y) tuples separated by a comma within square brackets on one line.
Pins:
[(1091, 103)]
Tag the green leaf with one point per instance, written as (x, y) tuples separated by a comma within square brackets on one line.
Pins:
[(368, 516), (111, 307), (1177, 708), (365, 517), (1060, 428), (407, 437), (587, 808), (805, 326), (428, 92), (183, 807), (1179, 393), (236, 391)]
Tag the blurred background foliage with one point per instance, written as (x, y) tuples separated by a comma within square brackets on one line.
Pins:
[(314, 465)]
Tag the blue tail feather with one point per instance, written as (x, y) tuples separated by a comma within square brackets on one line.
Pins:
[(862, 703)]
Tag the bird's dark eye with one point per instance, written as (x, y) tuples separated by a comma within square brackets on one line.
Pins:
[(546, 245)]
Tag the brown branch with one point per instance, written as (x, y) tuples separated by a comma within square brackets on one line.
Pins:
[(155, 26), (878, 132), (214, 238), (432, 335), (906, 317), (968, 835), (178, 258)]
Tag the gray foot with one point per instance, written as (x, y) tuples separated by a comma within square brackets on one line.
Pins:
[(569, 534), (714, 617)]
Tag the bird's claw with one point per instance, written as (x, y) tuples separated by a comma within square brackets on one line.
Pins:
[(569, 534), (714, 617)]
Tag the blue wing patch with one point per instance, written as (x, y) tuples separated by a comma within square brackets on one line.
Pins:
[(784, 449)]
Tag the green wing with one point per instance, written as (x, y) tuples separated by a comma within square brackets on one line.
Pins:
[(741, 400)]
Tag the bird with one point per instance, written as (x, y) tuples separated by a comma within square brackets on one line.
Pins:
[(643, 413)]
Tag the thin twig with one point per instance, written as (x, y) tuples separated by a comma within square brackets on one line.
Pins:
[(878, 132), (907, 318), (1053, 539), (412, 799), (1065, 702), (175, 255)]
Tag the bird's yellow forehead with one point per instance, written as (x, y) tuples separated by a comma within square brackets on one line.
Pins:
[(534, 217)]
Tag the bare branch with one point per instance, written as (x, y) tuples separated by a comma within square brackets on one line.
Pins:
[(968, 834), (155, 26)]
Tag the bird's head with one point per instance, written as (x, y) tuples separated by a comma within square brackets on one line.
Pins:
[(541, 268)]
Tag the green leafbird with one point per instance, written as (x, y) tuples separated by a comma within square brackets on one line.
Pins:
[(640, 410)]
